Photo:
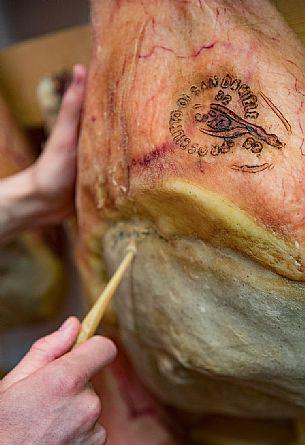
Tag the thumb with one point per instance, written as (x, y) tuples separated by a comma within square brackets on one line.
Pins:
[(44, 351)]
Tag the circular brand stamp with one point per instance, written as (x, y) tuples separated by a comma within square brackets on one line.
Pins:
[(219, 115)]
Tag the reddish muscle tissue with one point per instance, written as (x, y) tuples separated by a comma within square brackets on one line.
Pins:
[(192, 145)]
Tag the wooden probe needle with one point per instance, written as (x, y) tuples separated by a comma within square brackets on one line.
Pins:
[(92, 320)]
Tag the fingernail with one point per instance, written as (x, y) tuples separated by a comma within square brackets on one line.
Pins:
[(65, 324), (77, 78)]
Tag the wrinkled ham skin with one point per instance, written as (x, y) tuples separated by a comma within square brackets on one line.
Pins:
[(139, 93)]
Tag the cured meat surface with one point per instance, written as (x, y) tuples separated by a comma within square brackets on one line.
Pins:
[(193, 145)]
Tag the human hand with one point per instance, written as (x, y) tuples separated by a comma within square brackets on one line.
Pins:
[(46, 399), (53, 174), (44, 193)]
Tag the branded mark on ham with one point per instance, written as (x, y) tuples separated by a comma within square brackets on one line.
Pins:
[(207, 109)]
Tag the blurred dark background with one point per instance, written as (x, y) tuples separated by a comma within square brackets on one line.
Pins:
[(23, 19)]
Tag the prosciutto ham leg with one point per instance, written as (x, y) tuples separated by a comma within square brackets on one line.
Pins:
[(193, 145)]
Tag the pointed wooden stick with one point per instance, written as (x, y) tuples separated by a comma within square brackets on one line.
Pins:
[(93, 318)]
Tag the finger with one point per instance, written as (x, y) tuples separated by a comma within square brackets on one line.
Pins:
[(96, 437), (44, 351), (65, 133), (89, 408), (76, 368), (99, 435)]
